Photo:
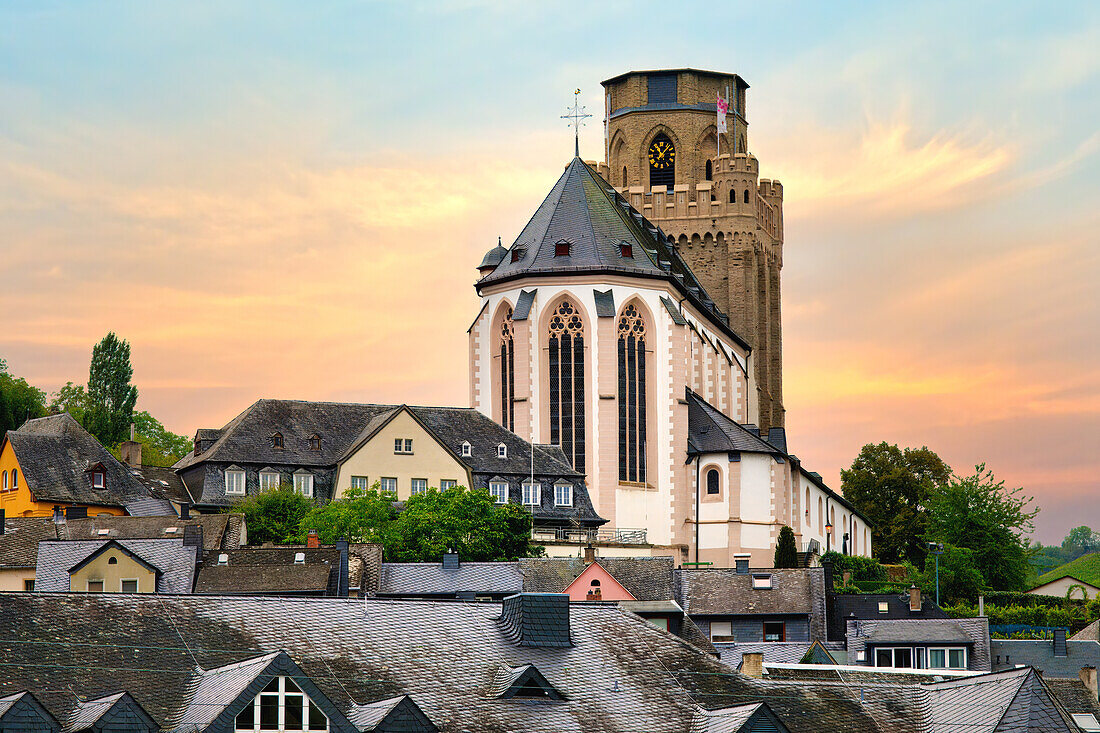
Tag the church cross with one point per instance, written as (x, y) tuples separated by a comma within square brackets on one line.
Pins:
[(576, 114)]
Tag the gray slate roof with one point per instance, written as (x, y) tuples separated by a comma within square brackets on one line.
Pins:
[(725, 592), (775, 652), (54, 455), (175, 562), (646, 578), (1089, 633), (585, 211), (711, 431), (269, 570), (1039, 653), (972, 631), (426, 579)]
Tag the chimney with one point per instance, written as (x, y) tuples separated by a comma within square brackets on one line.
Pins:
[(312, 541), (981, 606), (536, 619), (185, 510), (343, 589), (914, 599), (450, 560), (3, 522), (589, 555), (1088, 678), (58, 515), (1060, 643), (130, 452), (741, 563), (752, 664)]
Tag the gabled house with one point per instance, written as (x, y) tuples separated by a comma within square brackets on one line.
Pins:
[(53, 462), (116, 566), (323, 449), (842, 607)]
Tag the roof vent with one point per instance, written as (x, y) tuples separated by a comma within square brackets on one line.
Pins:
[(536, 619), (741, 563), (223, 559), (103, 532), (171, 530), (299, 558)]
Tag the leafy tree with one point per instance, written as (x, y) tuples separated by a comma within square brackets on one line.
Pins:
[(71, 399), (19, 401), (273, 515), (891, 487), (111, 396), (360, 515), (786, 552), (159, 446), (1081, 541), (980, 514), (960, 578)]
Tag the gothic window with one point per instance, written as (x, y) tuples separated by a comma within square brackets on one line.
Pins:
[(710, 171), (624, 176), (566, 364), (632, 396), (741, 144), (713, 480), (507, 372), (733, 196), (662, 161), (746, 195)]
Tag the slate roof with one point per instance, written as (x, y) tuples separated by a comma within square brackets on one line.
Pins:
[(175, 562), (775, 652), (585, 211), (1039, 653), (19, 543), (427, 579), (217, 685), (269, 570), (710, 431), (163, 482), (54, 455), (972, 631), (646, 578), (1073, 696), (88, 712), (726, 720), (725, 592), (1089, 633), (866, 606)]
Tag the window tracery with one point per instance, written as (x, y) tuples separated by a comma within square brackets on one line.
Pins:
[(632, 396), (566, 365), (507, 372)]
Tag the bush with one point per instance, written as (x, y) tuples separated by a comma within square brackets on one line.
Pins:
[(861, 568)]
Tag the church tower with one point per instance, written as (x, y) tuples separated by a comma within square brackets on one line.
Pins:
[(667, 158)]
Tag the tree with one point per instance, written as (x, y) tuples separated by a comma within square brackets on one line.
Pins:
[(466, 521), (273, 515), (980, 514), (19, 401), (786, 552), (159, 446), (71, 399), (960, 578), (891, 487), (111, 397), (1081, 541)]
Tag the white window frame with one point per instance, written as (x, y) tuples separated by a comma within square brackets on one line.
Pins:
[(528, 487), (448, 483), (423, 488), (388, 484), (137, 584), (4, 476), (467, 449), (568, 498), (282, 693), (893, 656), (230, 486), (403, 446), (265, 480), (303, 484), (101, 483), (947, 656), (360, 482), (15, 479), (499, 491), (502, 450)]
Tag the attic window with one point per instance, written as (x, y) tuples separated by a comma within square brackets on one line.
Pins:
[(223, 559), (517, 254), (626, 249), (761, 581), (561, 248), (281, 706), (529, 684), (299, 558), (502, 451), (315, 442), (112, 561), (466, 449), (277, 441), (883, 607), (99, 480), (402, 445)]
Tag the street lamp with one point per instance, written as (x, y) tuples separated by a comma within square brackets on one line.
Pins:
[(936, 548), (828, 535)]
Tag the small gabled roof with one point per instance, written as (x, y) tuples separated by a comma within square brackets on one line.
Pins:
[(18, 707), (737, 719), (596, 220), (115, 545), (525, 681), (712, 431), (397, 714), (88, 713)]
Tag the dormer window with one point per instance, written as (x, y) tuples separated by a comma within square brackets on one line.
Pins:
[(518, 253), (315, 442), (563, 494), (299, 558), (281, 705), (99, 480), (561, 248), (467, 450), (626, 249), (277, 441), (883, 607), (234, 481), (502, 451), (532, 493)]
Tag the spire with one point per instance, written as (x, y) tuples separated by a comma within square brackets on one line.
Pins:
[(576, 115)]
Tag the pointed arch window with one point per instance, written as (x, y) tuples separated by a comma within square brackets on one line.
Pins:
[(566, 363), (632, 396), (746, 195), (624, 176), (733, 196), (710, 171), (507, 372)]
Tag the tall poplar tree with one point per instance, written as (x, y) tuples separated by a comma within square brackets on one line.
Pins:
[(110, 396)]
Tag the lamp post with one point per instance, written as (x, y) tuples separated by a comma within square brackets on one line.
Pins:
[(828, 535), (936, 548)]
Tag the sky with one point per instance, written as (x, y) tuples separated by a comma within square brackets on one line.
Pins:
[(289, 200)]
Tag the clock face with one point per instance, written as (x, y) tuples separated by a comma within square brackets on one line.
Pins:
[(661, 154)]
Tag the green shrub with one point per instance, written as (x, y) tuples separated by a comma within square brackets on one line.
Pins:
[(861, 568)]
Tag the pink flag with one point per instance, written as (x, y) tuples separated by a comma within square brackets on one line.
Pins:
[(723, 109)]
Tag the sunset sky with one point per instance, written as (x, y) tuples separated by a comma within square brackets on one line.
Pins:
[(289, 200)]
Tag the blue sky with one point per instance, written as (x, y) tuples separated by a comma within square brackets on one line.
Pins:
[(269, 199)]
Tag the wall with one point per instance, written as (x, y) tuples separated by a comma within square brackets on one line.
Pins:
[(101, 569), (610, 589), (750, 629), (12, 579), (375, 459), (1060, 586)]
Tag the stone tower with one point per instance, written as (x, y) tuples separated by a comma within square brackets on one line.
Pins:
[(663, 155)]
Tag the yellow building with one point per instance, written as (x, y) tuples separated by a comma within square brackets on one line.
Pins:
[(53, 462)]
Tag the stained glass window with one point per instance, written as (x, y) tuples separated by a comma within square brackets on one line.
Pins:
[(507, 372), (632, 396), (566, 363)]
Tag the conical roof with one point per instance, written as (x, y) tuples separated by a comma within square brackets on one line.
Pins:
[(584, 212), (494, 256)]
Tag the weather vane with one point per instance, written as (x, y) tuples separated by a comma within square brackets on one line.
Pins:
[(576, 116)]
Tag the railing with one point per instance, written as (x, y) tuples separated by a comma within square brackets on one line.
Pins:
[(581, 536)]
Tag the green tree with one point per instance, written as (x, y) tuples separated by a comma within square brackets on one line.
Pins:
[(19, 401), (980, 514), (960, 578), (786, 552), (1080, 541), (71, 399), (111, 396), (360, 515), (891, 487), (159, 446), (273, 515)]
